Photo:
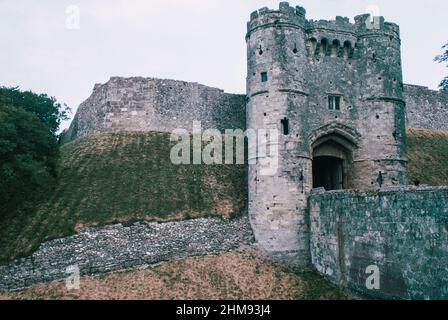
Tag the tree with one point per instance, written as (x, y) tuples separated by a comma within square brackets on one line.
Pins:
[(28, 156), (28, 146), (441, 59), (46, 108)]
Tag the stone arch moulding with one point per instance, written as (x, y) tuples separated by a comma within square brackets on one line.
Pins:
[(332, 148), (340, 133)]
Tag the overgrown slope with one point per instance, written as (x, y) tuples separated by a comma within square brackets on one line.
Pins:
[(428, 157), (123, 177)]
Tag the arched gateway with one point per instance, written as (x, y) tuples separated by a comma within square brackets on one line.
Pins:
[(332, 151)]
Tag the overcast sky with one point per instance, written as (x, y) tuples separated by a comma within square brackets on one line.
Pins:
[(192, 40)]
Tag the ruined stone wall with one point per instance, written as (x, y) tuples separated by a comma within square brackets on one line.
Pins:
[(119, 247), (402, 231), (426, 109), (148, 104)]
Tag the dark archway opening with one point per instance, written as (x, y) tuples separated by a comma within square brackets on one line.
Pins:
[(328, 173), (334, 147)]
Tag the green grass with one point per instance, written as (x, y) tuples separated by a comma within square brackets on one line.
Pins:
[(122, 177), (127, 177), (428, 157)]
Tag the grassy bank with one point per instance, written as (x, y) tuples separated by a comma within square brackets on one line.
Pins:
[(126, 177), (428, 157), (238, 275)]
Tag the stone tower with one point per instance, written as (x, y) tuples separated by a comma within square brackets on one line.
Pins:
[(334, 92)]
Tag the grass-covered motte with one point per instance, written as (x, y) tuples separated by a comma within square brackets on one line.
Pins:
[(125, 177), (428, 157), (122, 177)]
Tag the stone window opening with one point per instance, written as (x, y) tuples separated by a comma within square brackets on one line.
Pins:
[(295, 50), (313, 47), (334, 103), (264, 77), (312, 42), (326, 48), (335, 49), (285, 126), (348, 49)]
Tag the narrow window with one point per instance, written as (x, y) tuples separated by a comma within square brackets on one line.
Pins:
[(285, 126), (295, 48), (264, 77), (337, 104), (334, 103), (330, 103), (326, 49), (348, 50)]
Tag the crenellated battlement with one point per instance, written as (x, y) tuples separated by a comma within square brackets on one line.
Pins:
[(284, 9), (331, 38), (295, 17), (285, 15), (341, 24), (366, 25)]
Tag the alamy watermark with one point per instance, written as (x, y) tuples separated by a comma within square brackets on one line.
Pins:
[(374, 21), (373, 280), (206, 147), (73, 17), (72, 282)]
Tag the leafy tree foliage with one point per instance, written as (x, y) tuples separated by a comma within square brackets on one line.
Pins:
[(28, 145), (28, 156), (46, 108), (441, 59)]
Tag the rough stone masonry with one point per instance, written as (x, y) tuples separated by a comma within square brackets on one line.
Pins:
[(334, 90), (119, 247), (402, 231), (148, 104)]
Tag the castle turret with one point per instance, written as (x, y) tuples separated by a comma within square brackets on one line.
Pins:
[(276, 87), (333, 92), (382, 113)]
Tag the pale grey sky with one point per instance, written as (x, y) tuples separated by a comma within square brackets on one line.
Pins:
[(192, 40)]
